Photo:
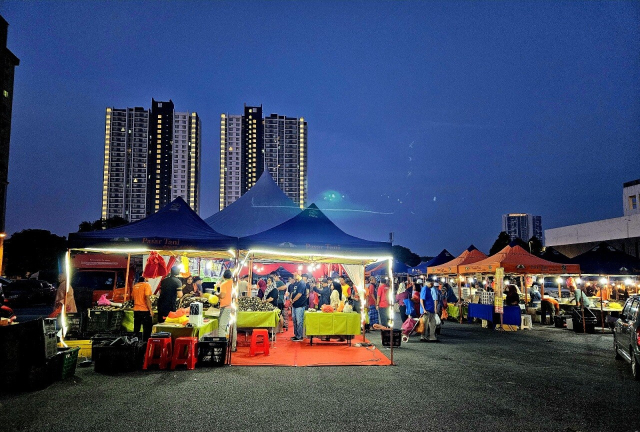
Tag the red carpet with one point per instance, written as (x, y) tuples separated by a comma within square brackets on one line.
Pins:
[(285, 352)]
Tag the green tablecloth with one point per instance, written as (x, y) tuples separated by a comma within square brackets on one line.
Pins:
[(454, 311), (127, 320), (258, 319), (329, 324), (177, 330)]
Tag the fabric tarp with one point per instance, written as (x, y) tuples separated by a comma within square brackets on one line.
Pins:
[(382, 268), (514, 259), (469, 256), (258, 319), (442, 257), (175, 227), (262, 207)]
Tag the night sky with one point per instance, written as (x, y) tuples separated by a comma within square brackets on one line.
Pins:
[(426, 119)]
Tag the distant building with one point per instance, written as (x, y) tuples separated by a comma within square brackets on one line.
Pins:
[(250, 143), (622, 233), (8, 63), (522, 225), (151, 157)]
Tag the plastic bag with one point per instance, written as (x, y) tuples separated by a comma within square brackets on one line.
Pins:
[(103, 301), (420, 326), (438, 321)]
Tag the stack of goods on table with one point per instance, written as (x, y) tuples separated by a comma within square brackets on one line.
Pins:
[(254, 304)]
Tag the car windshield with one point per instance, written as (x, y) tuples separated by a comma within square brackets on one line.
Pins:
[(99, 280)]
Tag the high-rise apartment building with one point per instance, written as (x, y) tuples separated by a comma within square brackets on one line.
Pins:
[(522, 225), (249, 144), (151, 157), (285, 154), (8, 63)]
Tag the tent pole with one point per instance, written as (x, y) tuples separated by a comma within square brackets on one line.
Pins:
[(250, 277), (522, 287), (391, 307), (126, 279)]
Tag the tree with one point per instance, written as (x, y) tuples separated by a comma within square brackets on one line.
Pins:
[(535, 246), (34, 250), (501, 242), (102, 224), (404, 255)]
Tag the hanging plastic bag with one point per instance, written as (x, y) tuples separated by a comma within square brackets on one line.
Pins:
[(103, 301), (438, 321)]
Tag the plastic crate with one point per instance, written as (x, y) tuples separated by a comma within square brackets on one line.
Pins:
[(212, 353), (76, 324), (115, 320), (68, 358), (50, 344), (386, 338), (113, 359), (50, 325), (98, 321)]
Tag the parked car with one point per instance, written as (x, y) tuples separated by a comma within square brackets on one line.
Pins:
[(29, 292), (626, 335)]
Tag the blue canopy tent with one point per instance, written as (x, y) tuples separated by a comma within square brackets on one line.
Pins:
[(441, 258), (312, 236), (381, 269), (261, 208), (175, 227)]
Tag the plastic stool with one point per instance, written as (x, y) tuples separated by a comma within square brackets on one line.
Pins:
[(158, 353), (263, 344), (525, 322), (184, 352)]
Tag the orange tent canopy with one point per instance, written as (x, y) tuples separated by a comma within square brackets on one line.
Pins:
[(514, 259), (469, 256)]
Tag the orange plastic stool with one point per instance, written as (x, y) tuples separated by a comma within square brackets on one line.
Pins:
[(158, 353), (184, 352), (261, 346)]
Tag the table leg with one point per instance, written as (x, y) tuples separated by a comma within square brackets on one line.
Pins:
[(311, 341)]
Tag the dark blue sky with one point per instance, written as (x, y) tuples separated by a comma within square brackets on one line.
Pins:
[(433, 118)]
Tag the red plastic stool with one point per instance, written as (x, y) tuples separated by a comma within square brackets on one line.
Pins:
[(184, 352), (263, 344), (158, 353)]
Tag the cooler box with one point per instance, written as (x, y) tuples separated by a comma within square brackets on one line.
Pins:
[(195, 314)]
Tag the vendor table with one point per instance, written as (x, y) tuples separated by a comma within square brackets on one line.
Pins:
[(454, 311), (332, 324), (251, 320), (512, 314), (178, 330)]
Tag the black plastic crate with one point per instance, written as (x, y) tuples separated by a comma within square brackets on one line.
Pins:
[(386, 339), (559, 321), (212, 353), (113, 359), (76, 324), (65, 362), (98, 321), (115, 320)]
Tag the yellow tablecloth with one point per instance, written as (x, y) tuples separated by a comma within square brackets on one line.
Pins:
[(258, 319), (329, 324), (177, 330), (127, 320)]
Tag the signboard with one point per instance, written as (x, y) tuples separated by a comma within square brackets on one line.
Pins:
[(498, 290)]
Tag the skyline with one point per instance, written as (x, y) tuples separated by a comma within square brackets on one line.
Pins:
[(430, 119)]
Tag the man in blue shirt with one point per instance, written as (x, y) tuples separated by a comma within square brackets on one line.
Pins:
[(298, 305), (428, 305)]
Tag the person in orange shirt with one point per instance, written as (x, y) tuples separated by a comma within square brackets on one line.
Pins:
[(142, 312), (225, 286)]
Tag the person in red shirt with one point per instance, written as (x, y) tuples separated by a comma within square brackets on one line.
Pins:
[(142, 312), (382, 303)]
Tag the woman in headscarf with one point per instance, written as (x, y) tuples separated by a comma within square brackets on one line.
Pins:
[(401, 296), (262, 287)]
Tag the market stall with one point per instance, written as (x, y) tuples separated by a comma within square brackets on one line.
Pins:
[(179, 330)]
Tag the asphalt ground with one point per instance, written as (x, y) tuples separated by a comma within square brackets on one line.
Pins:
[(545, 379)]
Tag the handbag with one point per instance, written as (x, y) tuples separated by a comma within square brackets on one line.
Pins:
[(420, 326)]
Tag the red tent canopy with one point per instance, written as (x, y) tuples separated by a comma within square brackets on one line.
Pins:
[(514, 259), (469, 256)]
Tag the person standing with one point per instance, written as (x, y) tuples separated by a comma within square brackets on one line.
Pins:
[(170, 291), (243, 286), (324, 293), (371, 303), (225, 288), (299, 304), (142, 312), (336, 294), (382, 304), (401, 296), (580, 297), (428, 309)]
